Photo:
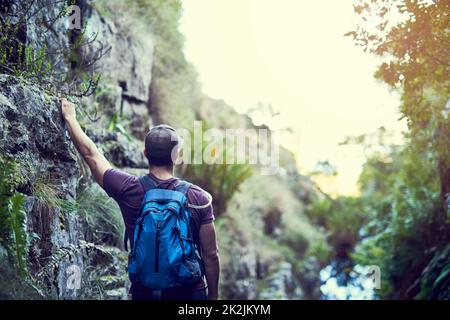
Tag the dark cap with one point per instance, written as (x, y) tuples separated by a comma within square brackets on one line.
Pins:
[(160, 142)]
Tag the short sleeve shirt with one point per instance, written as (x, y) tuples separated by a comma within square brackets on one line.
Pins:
[(128, 192)]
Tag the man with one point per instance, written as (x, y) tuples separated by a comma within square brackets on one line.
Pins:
[(128, 192)]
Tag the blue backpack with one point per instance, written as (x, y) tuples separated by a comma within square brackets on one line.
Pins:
[(163, 253)]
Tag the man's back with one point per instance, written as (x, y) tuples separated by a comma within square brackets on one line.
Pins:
[(128, 192)]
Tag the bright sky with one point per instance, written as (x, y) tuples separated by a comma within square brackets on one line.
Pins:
[(293, 55)]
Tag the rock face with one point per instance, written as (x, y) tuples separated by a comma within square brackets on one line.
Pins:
[(126, 68), (120, 150), (40, 26), (248, 277), (240, 274), (33, 133), (33, 128), (281, 284), (126, 71), (128, 64)]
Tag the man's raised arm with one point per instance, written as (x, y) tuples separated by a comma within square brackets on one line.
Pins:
[(85, 146)]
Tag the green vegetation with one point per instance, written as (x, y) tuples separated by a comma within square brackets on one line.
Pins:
[(416, 225), (401, 221), (31, 62), (404, 230), (102, 215), (13, 235), (395, 224), (227, 179), (60, 69), (417, 54), (23, 278), (342, 218), (116, 125), (221, 179), (48, 195), (14, 281), (435, 280)]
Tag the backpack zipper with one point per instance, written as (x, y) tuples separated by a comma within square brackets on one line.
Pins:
[(158, 230)]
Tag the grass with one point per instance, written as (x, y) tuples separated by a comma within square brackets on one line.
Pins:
[(102, 215)]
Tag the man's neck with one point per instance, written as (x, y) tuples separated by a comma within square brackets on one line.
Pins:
[(161, 173)]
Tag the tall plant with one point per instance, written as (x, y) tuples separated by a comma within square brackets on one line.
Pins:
[(220, 178)]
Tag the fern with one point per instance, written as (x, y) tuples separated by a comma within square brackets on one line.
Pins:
[(435, 281), (18, 231), (13, 235), (69, 251)]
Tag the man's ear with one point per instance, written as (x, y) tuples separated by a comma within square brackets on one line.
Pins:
[(146, 153), (177, 155)]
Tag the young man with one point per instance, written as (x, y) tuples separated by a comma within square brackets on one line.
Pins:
[(128, 192)]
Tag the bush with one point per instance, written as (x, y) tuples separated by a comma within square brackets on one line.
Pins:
[(342, 218), (406, 225), (435, 280), (222, 180)]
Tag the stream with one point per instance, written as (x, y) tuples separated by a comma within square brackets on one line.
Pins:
[(343, 280)]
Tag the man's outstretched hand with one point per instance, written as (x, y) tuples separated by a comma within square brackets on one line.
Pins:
[(87, 149), (68, 109)]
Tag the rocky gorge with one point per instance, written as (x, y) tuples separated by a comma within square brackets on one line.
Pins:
[(268, 245)]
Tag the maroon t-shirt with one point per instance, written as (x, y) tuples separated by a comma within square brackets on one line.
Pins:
[(129, 193)]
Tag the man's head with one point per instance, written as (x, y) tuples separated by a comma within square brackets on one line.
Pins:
[(161, 146)]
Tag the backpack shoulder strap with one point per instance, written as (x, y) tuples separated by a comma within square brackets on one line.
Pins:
[(183, 186), (147, 183)]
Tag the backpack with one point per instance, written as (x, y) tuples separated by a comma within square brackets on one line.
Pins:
[(163, 252)]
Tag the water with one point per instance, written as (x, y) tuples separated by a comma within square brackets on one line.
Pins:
[(341, 280)]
